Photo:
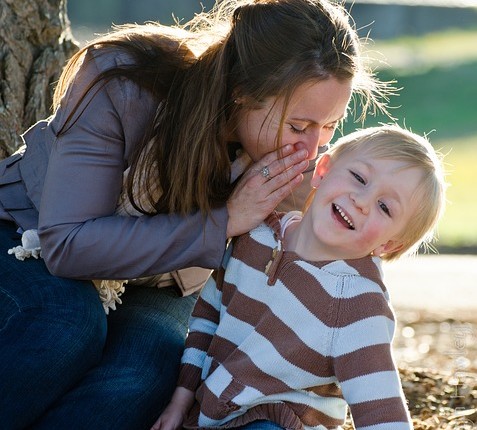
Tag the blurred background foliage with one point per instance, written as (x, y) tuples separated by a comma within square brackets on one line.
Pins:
[(429, 52)]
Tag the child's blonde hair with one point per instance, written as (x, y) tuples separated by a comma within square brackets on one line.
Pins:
[(396, 143)]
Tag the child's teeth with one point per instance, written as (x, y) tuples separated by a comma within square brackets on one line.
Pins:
[(343, 215)]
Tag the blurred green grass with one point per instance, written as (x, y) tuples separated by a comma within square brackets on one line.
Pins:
[(458, 226), (437, 77)]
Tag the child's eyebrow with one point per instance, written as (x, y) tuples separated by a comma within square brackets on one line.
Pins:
[(366, 164)]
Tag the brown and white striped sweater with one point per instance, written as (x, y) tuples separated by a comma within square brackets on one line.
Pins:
[(296, 345)]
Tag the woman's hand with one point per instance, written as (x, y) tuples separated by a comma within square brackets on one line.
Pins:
[(257, 195)]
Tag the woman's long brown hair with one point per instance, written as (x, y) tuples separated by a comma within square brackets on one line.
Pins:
[(252, 49)]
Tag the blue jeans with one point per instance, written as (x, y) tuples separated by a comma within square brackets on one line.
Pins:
[(64, 364), (260, 425)]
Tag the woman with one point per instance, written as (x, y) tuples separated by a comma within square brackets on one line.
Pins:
[(134, 176)]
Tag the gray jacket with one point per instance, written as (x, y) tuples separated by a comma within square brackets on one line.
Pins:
[(69, 185)]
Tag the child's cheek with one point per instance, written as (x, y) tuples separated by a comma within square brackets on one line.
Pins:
[(371, 238)]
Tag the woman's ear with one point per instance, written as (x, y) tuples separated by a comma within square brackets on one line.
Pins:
[(322, 167), (387, 248)]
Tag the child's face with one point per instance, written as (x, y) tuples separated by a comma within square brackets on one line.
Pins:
[(362, 205)]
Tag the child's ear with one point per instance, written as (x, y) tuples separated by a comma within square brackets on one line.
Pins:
[(387, 248), (322, 167)]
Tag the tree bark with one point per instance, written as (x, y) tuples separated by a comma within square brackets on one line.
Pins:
[(35, 42)]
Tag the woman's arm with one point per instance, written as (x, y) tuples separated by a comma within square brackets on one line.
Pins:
[(81, 235)]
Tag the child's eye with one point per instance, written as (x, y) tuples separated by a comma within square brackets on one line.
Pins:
[(297, 130), (384, 208), (358, 177)]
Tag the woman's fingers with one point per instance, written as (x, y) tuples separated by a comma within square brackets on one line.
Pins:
[(278, 178), (263, 187), (280, 161), (284, 183)]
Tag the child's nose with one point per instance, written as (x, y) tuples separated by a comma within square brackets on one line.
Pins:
[(361, 202)]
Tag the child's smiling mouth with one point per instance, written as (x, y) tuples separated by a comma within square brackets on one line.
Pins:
[(342, 217)]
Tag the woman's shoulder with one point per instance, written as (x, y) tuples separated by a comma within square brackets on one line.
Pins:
[(127, 95), (108, 57)]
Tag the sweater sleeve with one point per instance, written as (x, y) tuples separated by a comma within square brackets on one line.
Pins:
[(81, 236), (203, 324), (365, 368)]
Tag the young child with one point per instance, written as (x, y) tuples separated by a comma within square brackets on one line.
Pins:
[(297, 324)]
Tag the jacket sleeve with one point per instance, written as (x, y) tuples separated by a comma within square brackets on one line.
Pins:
[(81, 236)]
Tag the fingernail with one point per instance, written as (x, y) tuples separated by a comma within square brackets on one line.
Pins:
[(288, 148)]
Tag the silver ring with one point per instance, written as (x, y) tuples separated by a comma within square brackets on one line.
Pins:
[(265, 172)]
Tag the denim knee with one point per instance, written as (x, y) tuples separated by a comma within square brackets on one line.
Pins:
[(261, 425), (138, 370), (8, 308), (52, 331), (30, 295)]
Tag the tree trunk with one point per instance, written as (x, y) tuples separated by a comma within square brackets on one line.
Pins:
[(35, 42)]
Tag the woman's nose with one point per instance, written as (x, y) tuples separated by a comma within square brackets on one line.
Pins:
[(314, 141)]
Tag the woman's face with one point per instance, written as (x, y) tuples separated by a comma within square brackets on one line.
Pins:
[(314, 112)]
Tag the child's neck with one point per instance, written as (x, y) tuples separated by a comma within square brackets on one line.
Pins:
[(298, 240), (291, 236)]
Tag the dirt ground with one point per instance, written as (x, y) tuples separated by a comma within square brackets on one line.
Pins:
[(436, 339), (438, 364), (437, 359)]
